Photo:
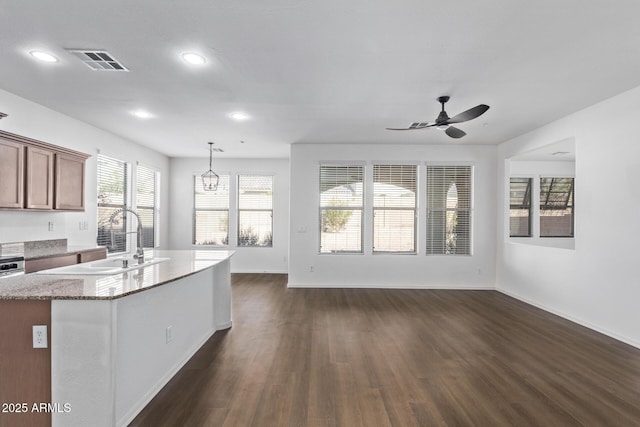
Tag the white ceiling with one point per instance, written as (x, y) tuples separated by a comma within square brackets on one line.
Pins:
[(331, 71)]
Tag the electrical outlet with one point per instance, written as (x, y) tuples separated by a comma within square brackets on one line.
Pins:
[(311, 269), (169, 334), (40, 336)]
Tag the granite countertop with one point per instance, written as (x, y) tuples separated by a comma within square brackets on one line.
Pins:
[(37, 286)]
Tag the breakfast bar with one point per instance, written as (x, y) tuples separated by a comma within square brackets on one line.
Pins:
[(117, 338)]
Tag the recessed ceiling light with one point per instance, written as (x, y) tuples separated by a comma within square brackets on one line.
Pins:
[(239, 116), (43, 56), (193, 58), (141, 114)]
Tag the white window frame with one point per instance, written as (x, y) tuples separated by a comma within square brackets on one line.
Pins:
[(385, 208), (564, 242), (540, 207), (106, 227), (432, 210), (322, 208), (198, 180), (156, 201), (241, 210), (531, 186)]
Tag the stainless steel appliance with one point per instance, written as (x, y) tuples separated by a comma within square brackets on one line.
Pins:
[(11, 266)]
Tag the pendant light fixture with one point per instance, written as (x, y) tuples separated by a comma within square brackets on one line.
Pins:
[(210, 178)]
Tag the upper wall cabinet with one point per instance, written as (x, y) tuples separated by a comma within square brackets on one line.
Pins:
[(69, 191), (40, 176), (11, 174)]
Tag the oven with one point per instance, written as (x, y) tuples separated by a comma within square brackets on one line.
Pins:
[(11, 266)]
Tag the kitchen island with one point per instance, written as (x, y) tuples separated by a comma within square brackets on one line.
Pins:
[(117, 339)]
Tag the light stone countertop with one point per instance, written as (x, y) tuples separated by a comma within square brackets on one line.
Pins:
[(181, 263)]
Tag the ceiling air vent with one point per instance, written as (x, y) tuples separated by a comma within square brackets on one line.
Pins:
[(98, 60)]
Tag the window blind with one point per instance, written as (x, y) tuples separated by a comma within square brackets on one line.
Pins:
[(255, 210), (556, 207), (146, 195), (520, 207), (341, 206), (394, 208), (449, 210), (113, 194), (211, 213)]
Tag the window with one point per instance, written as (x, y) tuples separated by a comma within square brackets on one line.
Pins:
[(255, 210), (341, 206), (394, 208), (211, 213), (520, 207), (146, 203), (449, 210), (113, 194), (556, 207)]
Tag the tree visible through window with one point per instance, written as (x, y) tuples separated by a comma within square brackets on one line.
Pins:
[(341, 206), (255, 210), (211, 213), (113, 194)]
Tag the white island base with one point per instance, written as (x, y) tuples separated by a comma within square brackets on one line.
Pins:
[(111, 357)]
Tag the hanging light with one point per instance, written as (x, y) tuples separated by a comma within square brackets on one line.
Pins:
[(210, 178)]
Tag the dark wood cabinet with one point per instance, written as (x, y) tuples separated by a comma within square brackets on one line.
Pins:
[(62, 260), (40, 176)]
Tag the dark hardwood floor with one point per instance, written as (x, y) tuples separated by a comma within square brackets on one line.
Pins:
[(366, 357)]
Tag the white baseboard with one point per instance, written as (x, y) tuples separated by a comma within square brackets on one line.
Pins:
[(244, 271), (573, 319), (388, 286), (223, 326)]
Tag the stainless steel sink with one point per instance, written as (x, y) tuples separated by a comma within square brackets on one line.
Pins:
[(105, 267)]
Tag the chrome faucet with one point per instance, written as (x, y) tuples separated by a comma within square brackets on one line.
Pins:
[(139, 250)]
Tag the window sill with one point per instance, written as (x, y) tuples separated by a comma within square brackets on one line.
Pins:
[(548, 242)]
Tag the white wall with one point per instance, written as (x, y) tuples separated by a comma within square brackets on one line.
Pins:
[(32, 120), (596, 284), (389, 271), (245, 260)]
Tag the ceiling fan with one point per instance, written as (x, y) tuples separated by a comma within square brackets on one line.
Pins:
[(444, 122)]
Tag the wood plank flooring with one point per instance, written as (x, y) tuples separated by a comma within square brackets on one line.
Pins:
[(367, 357)]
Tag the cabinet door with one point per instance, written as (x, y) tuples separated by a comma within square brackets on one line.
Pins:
[(11, 174), (39, 191), (92, 255), (69, 192)]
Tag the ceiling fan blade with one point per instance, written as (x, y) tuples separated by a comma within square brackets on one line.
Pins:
[(415, 125), (454, 132), (470, 114)]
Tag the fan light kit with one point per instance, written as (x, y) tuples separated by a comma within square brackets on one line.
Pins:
[(443, 122), (210, 179)]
